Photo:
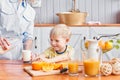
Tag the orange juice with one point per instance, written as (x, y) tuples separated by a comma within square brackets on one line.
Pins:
[(73, 67), (91, 67)]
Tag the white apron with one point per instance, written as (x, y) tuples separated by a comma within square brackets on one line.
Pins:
[(16, 19)]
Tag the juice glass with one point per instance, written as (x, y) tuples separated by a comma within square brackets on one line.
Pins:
[(73, 68)]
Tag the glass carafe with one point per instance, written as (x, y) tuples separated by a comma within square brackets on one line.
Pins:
[(92, 58)]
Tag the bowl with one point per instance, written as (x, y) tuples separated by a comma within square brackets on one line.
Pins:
[(72, 18)]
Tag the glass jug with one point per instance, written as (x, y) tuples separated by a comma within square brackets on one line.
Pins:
[(92, 58)]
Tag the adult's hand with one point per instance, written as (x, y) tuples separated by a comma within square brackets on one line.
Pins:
[(4, 43)]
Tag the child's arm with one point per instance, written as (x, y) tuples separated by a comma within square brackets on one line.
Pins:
[(41, 56), (68, 56), (59, 58)]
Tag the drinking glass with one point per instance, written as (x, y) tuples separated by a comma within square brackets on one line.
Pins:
[(26, 56), (73, 68)]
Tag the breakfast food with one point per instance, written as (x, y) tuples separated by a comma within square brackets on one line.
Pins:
[(106, 69), (116, 68), (57, 66), (64, 65), (45, 66), (37, 65)]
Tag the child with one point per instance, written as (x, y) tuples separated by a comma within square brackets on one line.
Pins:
[(59, 50)]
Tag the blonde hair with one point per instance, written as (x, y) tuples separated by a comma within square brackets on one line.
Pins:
[(61, 29)]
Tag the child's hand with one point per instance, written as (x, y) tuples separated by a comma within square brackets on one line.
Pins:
[(35, 57)]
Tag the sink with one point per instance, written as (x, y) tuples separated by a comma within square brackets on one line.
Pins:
[(72, 18)]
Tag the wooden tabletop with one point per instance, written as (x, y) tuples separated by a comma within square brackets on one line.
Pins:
[(82, 25), (13, 70)]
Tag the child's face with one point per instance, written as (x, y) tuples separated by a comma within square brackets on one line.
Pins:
[(58, 42)]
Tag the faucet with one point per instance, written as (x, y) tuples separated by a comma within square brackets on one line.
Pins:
[(74, 7), (114, 35)]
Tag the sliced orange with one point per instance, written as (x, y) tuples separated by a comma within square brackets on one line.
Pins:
[(36, 65), (64, 65), (47, 67), (57, 66)]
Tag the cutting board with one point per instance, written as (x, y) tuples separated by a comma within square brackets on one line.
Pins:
[(29, 70)]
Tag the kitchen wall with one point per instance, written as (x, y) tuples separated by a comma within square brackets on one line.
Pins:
[(105, 11)]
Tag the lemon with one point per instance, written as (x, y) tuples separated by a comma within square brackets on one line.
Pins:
[(108, 45)]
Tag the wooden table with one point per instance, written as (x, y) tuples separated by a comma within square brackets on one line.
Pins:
[(13, 70)]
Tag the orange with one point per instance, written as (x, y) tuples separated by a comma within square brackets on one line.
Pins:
[(108, 45), (47, 67), (86, 44), (57, 66), (64, 65), (101, 44), (36, 65)]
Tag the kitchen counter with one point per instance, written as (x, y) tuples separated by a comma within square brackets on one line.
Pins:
[(83, 25)]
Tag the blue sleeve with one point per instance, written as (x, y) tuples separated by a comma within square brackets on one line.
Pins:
[(27, 36)]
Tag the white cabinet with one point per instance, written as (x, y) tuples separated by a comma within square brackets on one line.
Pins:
[(41, 39), (37, 40), (45, 31), (77, 35)]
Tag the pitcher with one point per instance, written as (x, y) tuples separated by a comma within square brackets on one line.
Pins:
[(92, 58)]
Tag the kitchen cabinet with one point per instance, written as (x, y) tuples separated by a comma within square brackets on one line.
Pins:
[(41, 39), (37, 40), (41, 36)]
